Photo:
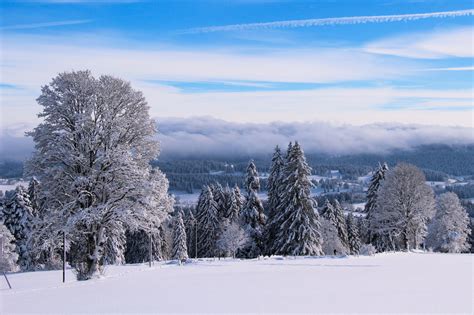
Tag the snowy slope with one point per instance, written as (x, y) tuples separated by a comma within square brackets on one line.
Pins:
[(401, 282)]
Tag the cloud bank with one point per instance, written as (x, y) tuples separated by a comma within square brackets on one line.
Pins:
[(330, 21), (199, 137), (205, 136)]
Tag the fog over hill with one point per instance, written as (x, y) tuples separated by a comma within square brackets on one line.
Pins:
[(207, 137)]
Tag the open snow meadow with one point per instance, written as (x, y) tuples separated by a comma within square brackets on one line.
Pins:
[(385, 283)]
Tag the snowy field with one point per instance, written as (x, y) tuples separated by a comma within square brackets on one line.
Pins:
[(396, 283)]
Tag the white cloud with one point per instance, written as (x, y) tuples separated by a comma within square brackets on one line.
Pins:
[(331, 21), (42, 25), (207, 136), (437, 44)]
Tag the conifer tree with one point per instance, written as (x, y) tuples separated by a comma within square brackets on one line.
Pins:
[(235, 206), (341, 223), (190, 228), (8, 254), (353, 235), (252, 216), (274, 200), (299, 233), (208, 223), (180, 250), (370, 207), (18, 218)]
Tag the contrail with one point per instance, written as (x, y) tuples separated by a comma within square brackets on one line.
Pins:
[(330, 21), (41, 25)]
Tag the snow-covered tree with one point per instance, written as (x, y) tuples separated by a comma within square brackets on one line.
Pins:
[(372, 194), (92, 157), (190, 229), (404, 206), (449, 230), (274, 200), (8, 254), (235, 206), (18, 217), (33, 193), (353, 235), (252, 214), (331, 244), (335, 215), (180, 249), (299, 233), (232, 239), (363, 228), (341, 223), (208, 223)]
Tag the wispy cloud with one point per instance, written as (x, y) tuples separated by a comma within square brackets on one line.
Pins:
[(468, 68), (331, 21), (454, 42), (42, 25)]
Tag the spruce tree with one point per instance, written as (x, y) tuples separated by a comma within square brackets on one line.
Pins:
[(208, 223), (180, 250), (299, 233), (274, 200), (370, 207), (8, 253), (353, 235), (18, 218), (341, 223), (252, 216), (235, 206), (190, 228)]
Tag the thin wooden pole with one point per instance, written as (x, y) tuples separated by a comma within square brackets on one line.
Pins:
[(150, 249), (8, 282), (64, 256)]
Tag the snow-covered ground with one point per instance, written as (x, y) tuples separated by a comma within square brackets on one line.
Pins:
[(396, 283)]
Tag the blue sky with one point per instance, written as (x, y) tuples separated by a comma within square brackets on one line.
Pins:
[(216, 58)]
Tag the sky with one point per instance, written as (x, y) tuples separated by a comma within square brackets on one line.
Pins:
[(250, 61)]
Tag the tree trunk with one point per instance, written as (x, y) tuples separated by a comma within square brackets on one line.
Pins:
[(96, 249)]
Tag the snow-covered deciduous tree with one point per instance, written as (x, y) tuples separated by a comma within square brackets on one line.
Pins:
[(232, 239), (18, 217), (180, 249), (299, 233), (92, 157), (8, 254), (353, 235), (449, 231), (208, 223), (405, 204), (274, 200)]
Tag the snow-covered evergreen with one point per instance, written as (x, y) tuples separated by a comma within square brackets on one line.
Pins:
[(449, 231), (334, 214), (235, 205), (252, 214), (8, 253), (92, 157), (190, 229), (341, 223), (299, 233), (274, 192), (18, 217), (208, 223), (353, 235), (180, 249), (405, 204), (370, 207)]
